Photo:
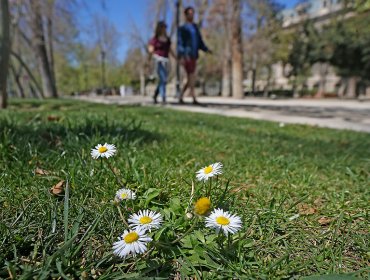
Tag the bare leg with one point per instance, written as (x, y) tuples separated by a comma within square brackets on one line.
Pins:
[(183, 91), (191, 82)]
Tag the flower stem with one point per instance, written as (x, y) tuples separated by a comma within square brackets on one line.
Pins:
[(122, 217), (209, 188), (187, 232), (119, 182), (220, 239), (191, 197), (140, 258)]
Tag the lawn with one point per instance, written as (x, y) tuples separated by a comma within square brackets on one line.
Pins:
[(302, 193)]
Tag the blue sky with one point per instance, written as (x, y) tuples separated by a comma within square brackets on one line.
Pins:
[(125, 13)]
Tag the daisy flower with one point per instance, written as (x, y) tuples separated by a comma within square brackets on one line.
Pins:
[(202, 206), (125, 194), (145, 220), (223, 220), (106, 150), (131, 242), (209, 171)]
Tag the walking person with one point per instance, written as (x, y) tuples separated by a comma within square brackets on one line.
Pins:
[(160, 47), (189, 42)]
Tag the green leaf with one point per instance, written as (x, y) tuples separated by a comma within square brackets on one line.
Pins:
[(175, 205), (198, 234), (159, 233), (150, 194), (331, 277)]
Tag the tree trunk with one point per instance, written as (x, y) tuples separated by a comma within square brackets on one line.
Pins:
[(226, 63), (18, 81), (201, 7), (102, 69), (142, 82), (268, 84), (237, 50), (4, 52), (48, 84), (295, 87), (254, 72), (49, 27), (24, 65), (351, 87), (226, 77), (322, 83)]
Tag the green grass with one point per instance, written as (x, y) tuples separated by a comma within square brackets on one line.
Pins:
[(273, 171)]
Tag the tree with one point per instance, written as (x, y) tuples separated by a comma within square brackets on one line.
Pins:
[(107, 40), (237, 50), (219, 18), (299, 57), (5, 51), (40, 47), (261, 27), (344, 44), (134, 58)]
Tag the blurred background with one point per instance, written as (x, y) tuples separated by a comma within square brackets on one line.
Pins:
[(267, 48)]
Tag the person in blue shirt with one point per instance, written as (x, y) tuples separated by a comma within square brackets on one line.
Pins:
[(189, 42)]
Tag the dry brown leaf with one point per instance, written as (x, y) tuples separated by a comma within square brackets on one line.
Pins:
[(58, 142), (244, 187), (324, 221), (58, 189), (52, 118), (319, 201), (39, 171), (84, 275), (305, 209), (116, 171), (221, 155), (190, 161)]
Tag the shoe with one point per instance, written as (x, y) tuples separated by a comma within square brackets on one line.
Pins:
[(181, 101), (156, 93), (195, 102)]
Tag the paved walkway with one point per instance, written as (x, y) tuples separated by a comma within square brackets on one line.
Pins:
[(332, 113)]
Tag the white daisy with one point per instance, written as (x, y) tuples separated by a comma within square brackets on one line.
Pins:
[(223, 220), (106, 150), (145, 220), (125, 194), (209, 171), (131, 242)]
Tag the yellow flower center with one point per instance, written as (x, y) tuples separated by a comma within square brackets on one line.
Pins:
[(145, 220), (223, 221), (102, 149), (123, 195), (208, 169), (131, 237), (202, 206)]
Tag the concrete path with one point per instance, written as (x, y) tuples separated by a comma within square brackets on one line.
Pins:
[(331, 113)]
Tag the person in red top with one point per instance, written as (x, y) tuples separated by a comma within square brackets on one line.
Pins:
[(160, 47)]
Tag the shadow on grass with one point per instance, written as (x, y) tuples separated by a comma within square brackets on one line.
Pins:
[(53, 131)]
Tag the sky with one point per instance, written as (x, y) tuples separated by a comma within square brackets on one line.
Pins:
[(125, 14)]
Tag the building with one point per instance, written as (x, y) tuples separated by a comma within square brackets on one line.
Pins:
[(323, 78)]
